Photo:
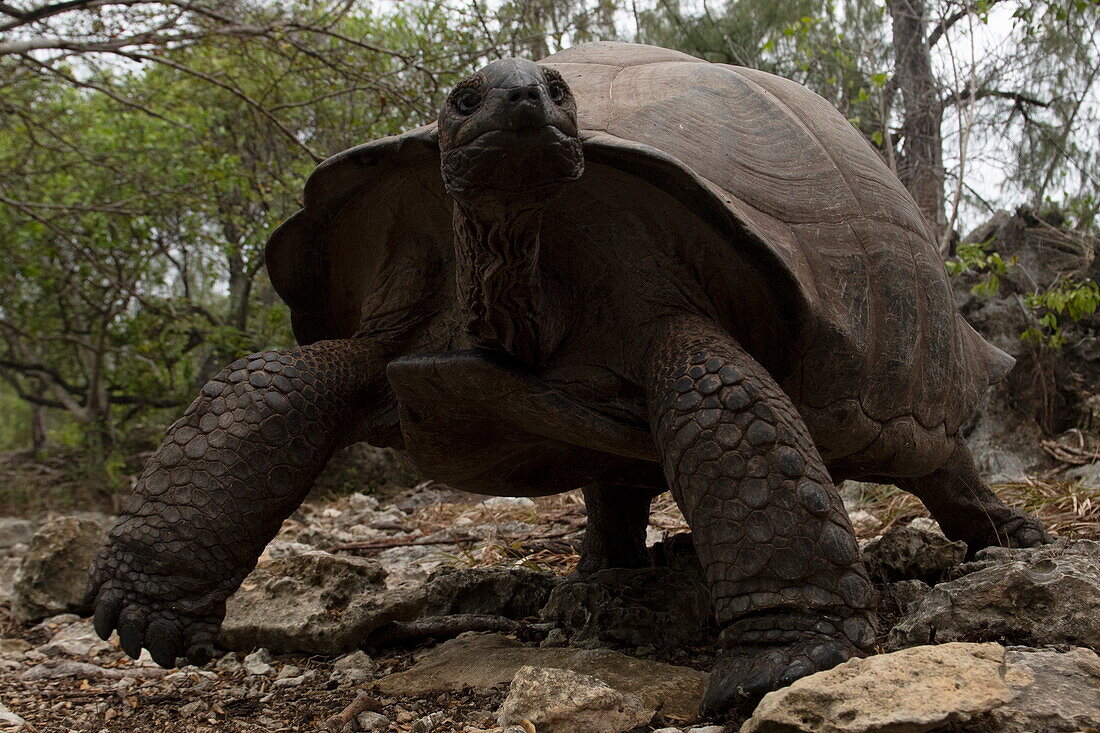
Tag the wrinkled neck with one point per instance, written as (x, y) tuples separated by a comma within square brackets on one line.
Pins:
[(497, 275)]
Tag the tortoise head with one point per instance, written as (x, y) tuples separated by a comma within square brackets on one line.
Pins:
[(509, 131)]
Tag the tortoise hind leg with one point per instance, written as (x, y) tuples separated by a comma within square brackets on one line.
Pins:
[(787, 584), (968, 510)]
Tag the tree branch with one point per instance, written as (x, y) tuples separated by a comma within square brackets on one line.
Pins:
[(973, 95), (945, 25)]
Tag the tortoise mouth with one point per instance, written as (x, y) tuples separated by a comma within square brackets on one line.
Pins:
[(509, 160)]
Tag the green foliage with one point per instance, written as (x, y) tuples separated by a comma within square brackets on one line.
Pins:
[(979, 259), (133, 222), (1070, 299)]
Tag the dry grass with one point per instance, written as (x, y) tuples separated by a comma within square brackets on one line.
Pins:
[(1067, 509)]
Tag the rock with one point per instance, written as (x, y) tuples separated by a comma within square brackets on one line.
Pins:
[(288, 670), (284, 683), (707, 729), (77, 640), (284, 548), (554, 638), (563, 701), (14, 646), (898, 598), (315, 603), (905, 553), (10, 719), (355, 660), (1034, 596), (258, 662), (1058, 692), (428, 723), (193, 709), (53, 574), (485, 661), (14, 531), (353, 669), (509, 502), (370, 722), (955, 686), (920, 689), (229, 664), (993, 556), (863, 522), (498, 591), (1086, 475), (410, 566), (660, 606), (8, 568), (927, 524)]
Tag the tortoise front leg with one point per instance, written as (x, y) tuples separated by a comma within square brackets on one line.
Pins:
[(788, 587), (618, 516), (215, 492)]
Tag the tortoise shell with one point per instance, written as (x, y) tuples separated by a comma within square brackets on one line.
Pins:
[(874, 353)]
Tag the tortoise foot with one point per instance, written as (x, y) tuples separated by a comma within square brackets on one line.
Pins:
[(169, 616), (743, 675), (1018, 529)]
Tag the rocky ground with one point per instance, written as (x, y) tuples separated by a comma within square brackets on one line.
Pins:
[(468, 620)]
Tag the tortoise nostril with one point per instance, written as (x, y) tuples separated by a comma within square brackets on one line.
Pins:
[(523, 94)]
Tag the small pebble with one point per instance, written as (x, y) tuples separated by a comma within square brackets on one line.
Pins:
[(369, 721), (257, 662)]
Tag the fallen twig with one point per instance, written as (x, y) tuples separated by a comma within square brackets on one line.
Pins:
[(363, 701), (444, 627)]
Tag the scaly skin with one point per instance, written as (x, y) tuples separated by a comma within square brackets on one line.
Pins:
[(238, 462), (968, 510), (788, 587)]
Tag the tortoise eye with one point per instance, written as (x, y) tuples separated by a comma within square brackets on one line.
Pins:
[(557, 91), (467, 100)]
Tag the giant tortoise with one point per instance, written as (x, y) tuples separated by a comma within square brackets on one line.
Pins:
[(621, 269)]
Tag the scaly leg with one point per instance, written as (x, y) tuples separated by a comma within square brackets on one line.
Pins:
[(215, 492), (967, 510), (786, 580)]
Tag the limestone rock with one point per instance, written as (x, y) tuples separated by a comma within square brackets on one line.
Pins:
[(897, 599), (315, 602), (369, 721), (661, 607), (8, 567), (1058, 692), (53, 575), (485, 661), (908, 553), (1035, 596), (14, 532), (10, 719), (258, 662), (563, 701), (863, 522), (911, 691), (76, 640), (955, 686), (499, 591)]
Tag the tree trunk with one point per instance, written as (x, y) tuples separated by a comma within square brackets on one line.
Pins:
[(920, 166), (38, 422)]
